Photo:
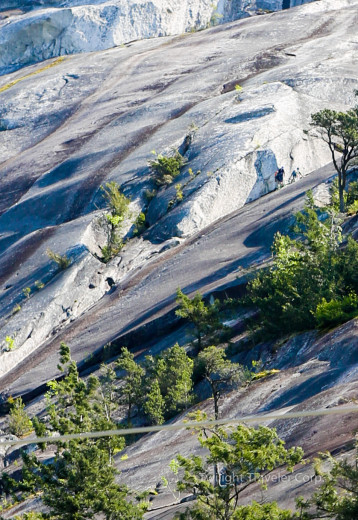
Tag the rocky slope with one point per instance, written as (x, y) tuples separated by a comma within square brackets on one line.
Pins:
[(315, 373), (69, 125), (58, 28)]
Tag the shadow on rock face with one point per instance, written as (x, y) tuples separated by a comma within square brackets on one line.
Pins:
[(62, 172), (248, 116), (305, 390), (263, 236)]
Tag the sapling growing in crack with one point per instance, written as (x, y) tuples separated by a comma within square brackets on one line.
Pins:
[(112, 222)]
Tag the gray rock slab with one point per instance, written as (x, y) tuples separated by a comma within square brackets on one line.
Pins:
[(208, 260), (53, 28), (94, 118)]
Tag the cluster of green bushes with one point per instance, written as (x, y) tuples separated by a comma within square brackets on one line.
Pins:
[(159, 388), (350, 197), (166, 169), (79, 480), (313, 281), (62, 261)]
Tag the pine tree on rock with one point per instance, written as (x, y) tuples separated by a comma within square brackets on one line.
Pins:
[(80, 482), (245, 456), (340, 131), (130, 391), (219, 372), (204, 317)]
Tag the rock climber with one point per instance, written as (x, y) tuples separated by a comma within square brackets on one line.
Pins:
[(295, 175), (279, 177)]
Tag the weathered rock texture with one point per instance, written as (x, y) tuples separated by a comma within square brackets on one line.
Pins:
[(88, 119), (66, 127), (75, 26)]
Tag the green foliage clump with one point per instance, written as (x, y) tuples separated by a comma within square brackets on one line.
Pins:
[(246, 456), (130, 391), (10, 343), (140, 224), (334, 191), (352, 193), (16, 308), (172, 373), (330, 314), (160, 388), (112, 223), (154, 404), (19, 422), (307, 274), (178, 197), (264, 373), (337, 498), (219, 372), (79, 483), (61, 260), (205, 318), (340, 131), (150, 195), (353, 208), (269, 511), (30, 516), (350, 197), (166, 169), (26, 292)]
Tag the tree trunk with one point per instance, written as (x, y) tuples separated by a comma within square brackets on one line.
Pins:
[(216, 405), (341, 185), (341, 198)]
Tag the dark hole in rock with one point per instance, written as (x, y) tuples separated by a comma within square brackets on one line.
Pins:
[(110, 281), (91, 286)]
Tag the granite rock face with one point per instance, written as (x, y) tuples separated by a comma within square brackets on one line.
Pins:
[(55, 28), (69, 126)]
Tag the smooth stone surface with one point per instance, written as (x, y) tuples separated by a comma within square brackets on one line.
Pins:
[(95, 118), (60, 28)]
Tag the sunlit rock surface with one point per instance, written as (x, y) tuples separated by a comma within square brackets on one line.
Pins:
[(41, 30), (69, 126)]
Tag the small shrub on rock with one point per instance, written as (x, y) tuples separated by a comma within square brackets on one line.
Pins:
[(16, 309), (26, 292), (336, 311), (150, 195), (166, 169), (10, 343), (140, 224), (19, 422), (62, 261), (112, 223)]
